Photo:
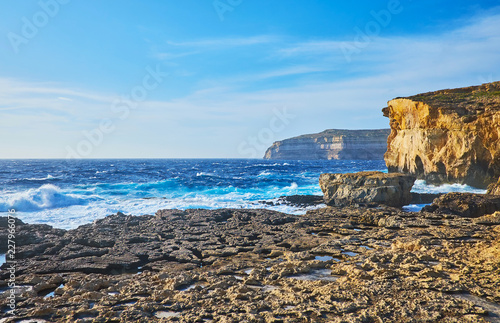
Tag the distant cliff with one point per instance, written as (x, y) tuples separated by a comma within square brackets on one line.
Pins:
[(332, 144), (447, 136)]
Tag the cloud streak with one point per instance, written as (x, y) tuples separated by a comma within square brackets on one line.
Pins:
[(311, 78)]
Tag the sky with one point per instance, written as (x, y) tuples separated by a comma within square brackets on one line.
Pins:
[(223, 78)]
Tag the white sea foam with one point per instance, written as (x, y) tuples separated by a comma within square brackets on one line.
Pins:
[(206, 174), (194, 185), (421, 186), (48, 177), (76, 215), (45, 197), (264, 165), (68, 210)]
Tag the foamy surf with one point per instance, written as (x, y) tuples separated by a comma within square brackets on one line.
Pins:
[(72, 216), (421, 186), (45, 197), (87, 190)]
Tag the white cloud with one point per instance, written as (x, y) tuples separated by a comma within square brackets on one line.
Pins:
[(348, 95)]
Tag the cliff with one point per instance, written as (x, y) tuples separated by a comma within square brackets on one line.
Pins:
[(494, 189), (332, 144), (447, 136)]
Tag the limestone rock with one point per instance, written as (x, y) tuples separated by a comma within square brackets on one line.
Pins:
[(296, 200), (465, 204), (367, 187), (334, 264), (332, 144), (447, 135), (424, 198), (494, 189)]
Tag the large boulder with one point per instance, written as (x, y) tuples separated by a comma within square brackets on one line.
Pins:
[(467, 205), (447, 136), (391, 189)]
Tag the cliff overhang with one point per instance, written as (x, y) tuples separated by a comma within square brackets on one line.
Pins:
[(447, 136)]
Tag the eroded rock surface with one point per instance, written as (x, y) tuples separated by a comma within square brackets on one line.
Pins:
[(447, 136), (367, 187), (296, 200), (494, 189), (465, 204), (331, 265)]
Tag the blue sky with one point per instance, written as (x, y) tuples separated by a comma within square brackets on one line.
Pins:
[(224, 78)]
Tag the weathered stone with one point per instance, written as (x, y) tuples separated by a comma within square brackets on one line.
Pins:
[(331, 265), (332, 144), (178, 281), (494, 189), (447, 136), (42, 235), (296, 200), (465, 204), (423, 198), (367, 187)]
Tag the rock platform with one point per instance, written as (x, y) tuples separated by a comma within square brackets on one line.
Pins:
[(334, 264)]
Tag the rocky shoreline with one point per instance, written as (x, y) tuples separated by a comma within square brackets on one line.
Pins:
[(334, 264)]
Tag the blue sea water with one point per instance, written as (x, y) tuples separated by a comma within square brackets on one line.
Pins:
[(68, 193)]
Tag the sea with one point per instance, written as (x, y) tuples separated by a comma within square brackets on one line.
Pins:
[(69, 193)]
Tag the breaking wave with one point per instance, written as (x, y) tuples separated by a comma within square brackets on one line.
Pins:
[(45, 197)]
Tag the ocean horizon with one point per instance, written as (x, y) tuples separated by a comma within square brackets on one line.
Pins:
[(68, 193)]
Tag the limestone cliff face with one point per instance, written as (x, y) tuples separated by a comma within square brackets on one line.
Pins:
[(447, 136), (332, 144), (494, 189)]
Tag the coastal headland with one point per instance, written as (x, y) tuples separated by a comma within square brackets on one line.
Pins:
[(332, 144), (356, 260), (450, 136)]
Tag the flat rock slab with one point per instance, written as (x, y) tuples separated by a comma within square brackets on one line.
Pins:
[(391, 189)]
